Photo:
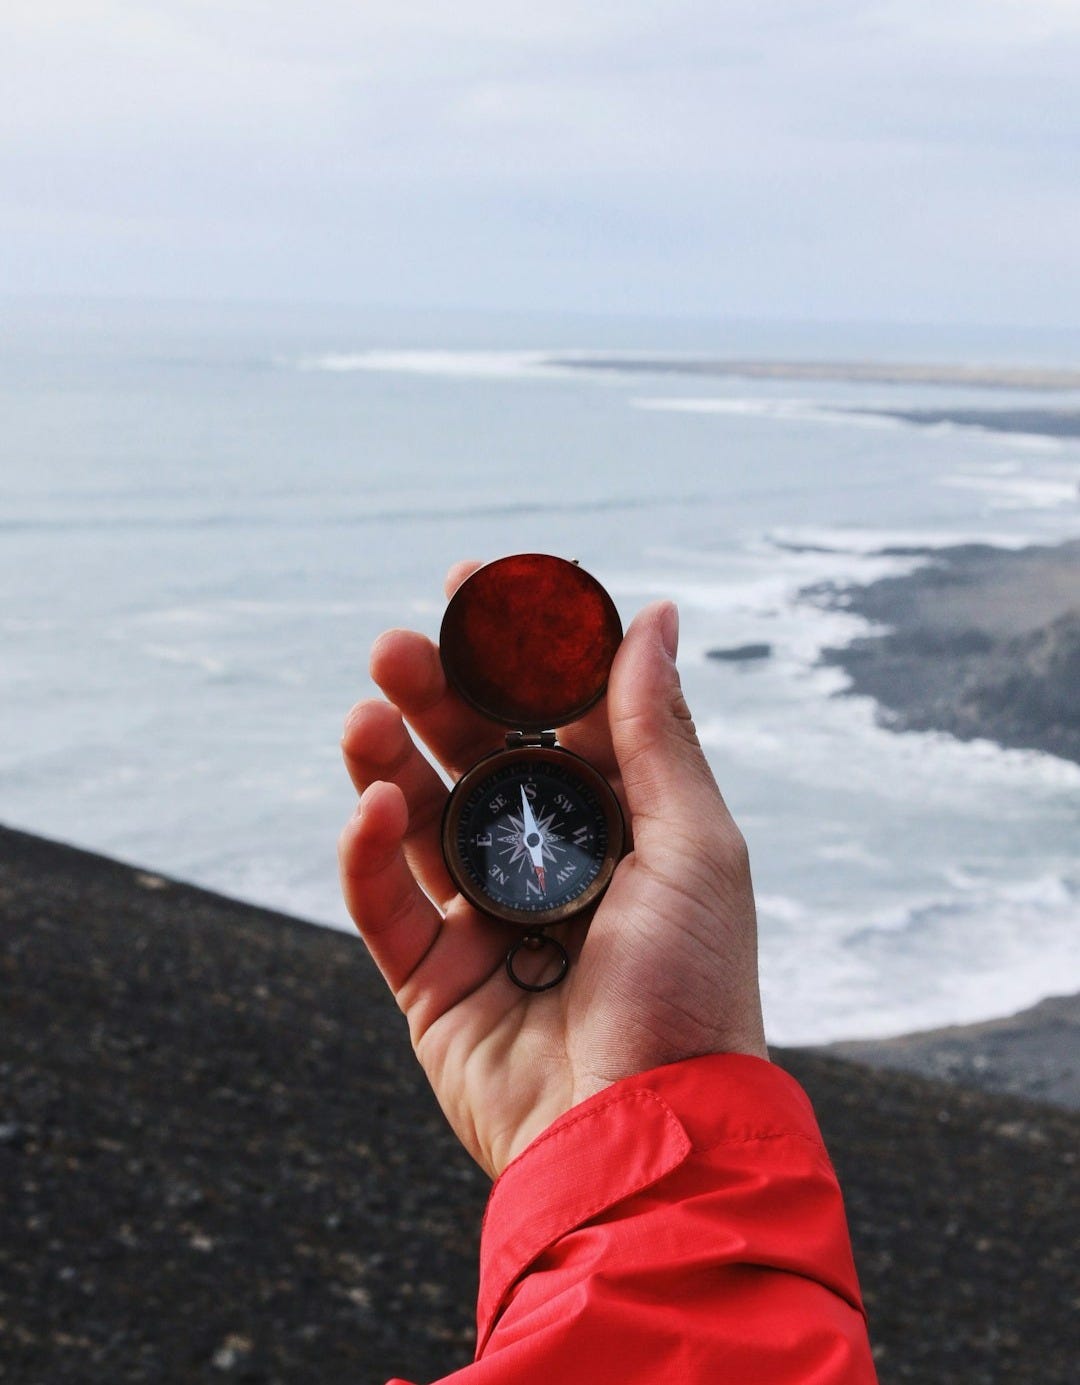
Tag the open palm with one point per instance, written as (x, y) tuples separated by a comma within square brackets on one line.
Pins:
[(664, 969)]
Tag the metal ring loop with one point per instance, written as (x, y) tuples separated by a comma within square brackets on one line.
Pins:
[(532, 942)]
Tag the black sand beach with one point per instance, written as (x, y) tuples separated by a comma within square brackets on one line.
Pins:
[(219, 1161)]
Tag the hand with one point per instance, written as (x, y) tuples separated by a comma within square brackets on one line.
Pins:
[(666, 968)]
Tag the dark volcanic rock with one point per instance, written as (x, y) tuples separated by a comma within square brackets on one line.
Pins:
[(742, 653), (1050, 423), (220, 1161), (1035, 1053), (982, 642)]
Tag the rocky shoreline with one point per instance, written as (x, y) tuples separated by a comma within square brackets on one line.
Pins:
[(220, 1161), (1035, 1053), (980, 642), (1043, 423)]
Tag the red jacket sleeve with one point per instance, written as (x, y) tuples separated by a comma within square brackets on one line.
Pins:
[(683, 1226)]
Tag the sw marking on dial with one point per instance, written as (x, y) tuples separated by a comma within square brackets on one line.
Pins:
[(532, 836)]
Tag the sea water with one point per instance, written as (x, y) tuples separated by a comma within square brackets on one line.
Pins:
[(209, 513)]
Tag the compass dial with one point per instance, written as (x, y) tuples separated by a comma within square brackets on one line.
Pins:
[(532, 836)]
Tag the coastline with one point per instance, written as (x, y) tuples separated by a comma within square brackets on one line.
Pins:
[(981, 642), (1044, 423), (849, 372), (1034, 1053), (221, 1157)]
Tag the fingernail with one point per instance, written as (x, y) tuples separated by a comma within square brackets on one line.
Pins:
[(669, 628)]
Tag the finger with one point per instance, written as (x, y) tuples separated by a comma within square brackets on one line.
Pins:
[(397, 921), (407, 668), (591, 738), (431, 964), (667, 780), (458, 573), (466, 963), (377, 747)]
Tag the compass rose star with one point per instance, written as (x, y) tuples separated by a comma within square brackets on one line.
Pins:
[(552, 835), (514, 840)]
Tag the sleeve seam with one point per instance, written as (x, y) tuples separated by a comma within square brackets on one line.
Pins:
[(761, 1137), (564, 1126)]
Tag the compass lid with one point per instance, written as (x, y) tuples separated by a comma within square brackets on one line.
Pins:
[(528, 640)]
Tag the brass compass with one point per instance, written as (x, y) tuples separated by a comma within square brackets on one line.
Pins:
[(532, 833)]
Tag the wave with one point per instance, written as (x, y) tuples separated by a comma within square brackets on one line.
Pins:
[(1004, 492), (782, 410), (797, 410), (485, 365), (971, 953), (886, 543), (519, 363), (173, 654), (451, 508), (847, 748)]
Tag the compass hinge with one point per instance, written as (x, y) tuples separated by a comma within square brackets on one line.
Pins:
[(516, 739)]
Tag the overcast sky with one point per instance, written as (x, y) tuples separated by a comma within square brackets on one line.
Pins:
[(912, 160)]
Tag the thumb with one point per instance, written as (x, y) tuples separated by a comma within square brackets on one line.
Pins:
[(664, 771)]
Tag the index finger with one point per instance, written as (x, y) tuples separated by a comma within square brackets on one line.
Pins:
[(407, 667)]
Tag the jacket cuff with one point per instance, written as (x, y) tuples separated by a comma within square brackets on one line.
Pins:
[(627, 1139)]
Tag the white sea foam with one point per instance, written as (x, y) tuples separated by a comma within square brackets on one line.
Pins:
[(484, 365), (766, 573), (871, 542), (847, 747), (1004, 492), (949, 959), (759, 594), (851, 853), (792, 410), (174, 654)]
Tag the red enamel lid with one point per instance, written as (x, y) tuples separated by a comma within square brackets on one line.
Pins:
[(528, 640)]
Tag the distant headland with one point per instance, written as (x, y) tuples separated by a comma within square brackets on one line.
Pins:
[(1004, 377)]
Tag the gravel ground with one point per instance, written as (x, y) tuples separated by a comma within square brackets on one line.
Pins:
[(219, 1161)]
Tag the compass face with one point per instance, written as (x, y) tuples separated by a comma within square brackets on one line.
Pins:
[(532, 836)]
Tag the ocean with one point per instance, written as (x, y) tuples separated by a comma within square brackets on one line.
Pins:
[(207, 513)]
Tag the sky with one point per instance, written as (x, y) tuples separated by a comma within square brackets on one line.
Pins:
[(908, 161)]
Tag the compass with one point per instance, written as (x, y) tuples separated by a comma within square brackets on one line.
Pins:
[(532, 833)]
